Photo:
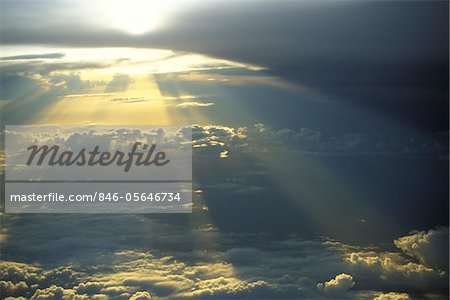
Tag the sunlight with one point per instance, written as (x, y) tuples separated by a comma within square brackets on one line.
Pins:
[(137, 16), (141, 103), (120, 86)]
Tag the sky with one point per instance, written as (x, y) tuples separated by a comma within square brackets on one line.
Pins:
[(320, 146)]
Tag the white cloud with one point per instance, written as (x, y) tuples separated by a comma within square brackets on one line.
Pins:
[(337, 286), (430, 248), (193, 104), (57, 293), (141, 296), (392, 296)]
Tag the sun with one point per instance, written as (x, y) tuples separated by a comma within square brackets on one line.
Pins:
[(138, 16)]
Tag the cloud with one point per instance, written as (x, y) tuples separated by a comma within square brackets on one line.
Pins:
[(278, 269), (193, 104), (89, 288), (119, 83), (141, 296), (229, 288), (34, 56), (262, 138), (215, 39), (396, 272), (8, 288), (57, 293), (381, 66), (338, 286), (430, 248), (395, 269), (69, 82), (31, 68), (256, 194), (29, 95), (129, 99), (17, 272), (392, 296), (169, 256), (243, 256), (31, 282), (89, 95)]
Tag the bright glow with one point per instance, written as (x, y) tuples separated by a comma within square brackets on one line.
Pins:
[(137, 16)]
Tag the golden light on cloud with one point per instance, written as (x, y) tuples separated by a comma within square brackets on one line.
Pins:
[(116, 86), (141, 104)]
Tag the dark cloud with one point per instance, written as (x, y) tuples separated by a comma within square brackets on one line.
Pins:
[(34, 56), (240, 171), (358, 31), (119, 83), (260, 137), (337, 47)]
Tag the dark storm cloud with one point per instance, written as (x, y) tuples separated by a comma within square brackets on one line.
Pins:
[(341, 31), (334, 46)]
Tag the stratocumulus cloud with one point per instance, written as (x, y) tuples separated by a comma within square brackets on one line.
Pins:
[(253, 272)]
